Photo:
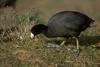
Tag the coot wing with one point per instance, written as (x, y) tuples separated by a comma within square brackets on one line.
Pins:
[(67, 22)]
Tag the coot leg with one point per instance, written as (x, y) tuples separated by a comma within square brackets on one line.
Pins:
[(78, 49), (77, 43), (62, 43)]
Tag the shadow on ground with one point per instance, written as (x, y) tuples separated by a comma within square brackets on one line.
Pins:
[(83, 40)]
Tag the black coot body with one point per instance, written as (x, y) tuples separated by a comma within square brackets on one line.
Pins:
[(7, 3), (64, 24)]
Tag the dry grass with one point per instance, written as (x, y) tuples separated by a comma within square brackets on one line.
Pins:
[(18, 50)]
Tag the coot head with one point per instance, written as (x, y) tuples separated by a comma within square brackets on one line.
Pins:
[(37, 29)]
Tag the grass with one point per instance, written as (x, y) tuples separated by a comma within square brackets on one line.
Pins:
[(18, 50)]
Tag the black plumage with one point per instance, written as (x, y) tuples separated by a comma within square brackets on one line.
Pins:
[(8, 3), (64, 24)]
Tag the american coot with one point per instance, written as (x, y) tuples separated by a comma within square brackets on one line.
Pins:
[(7, 3), (64, 24)]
